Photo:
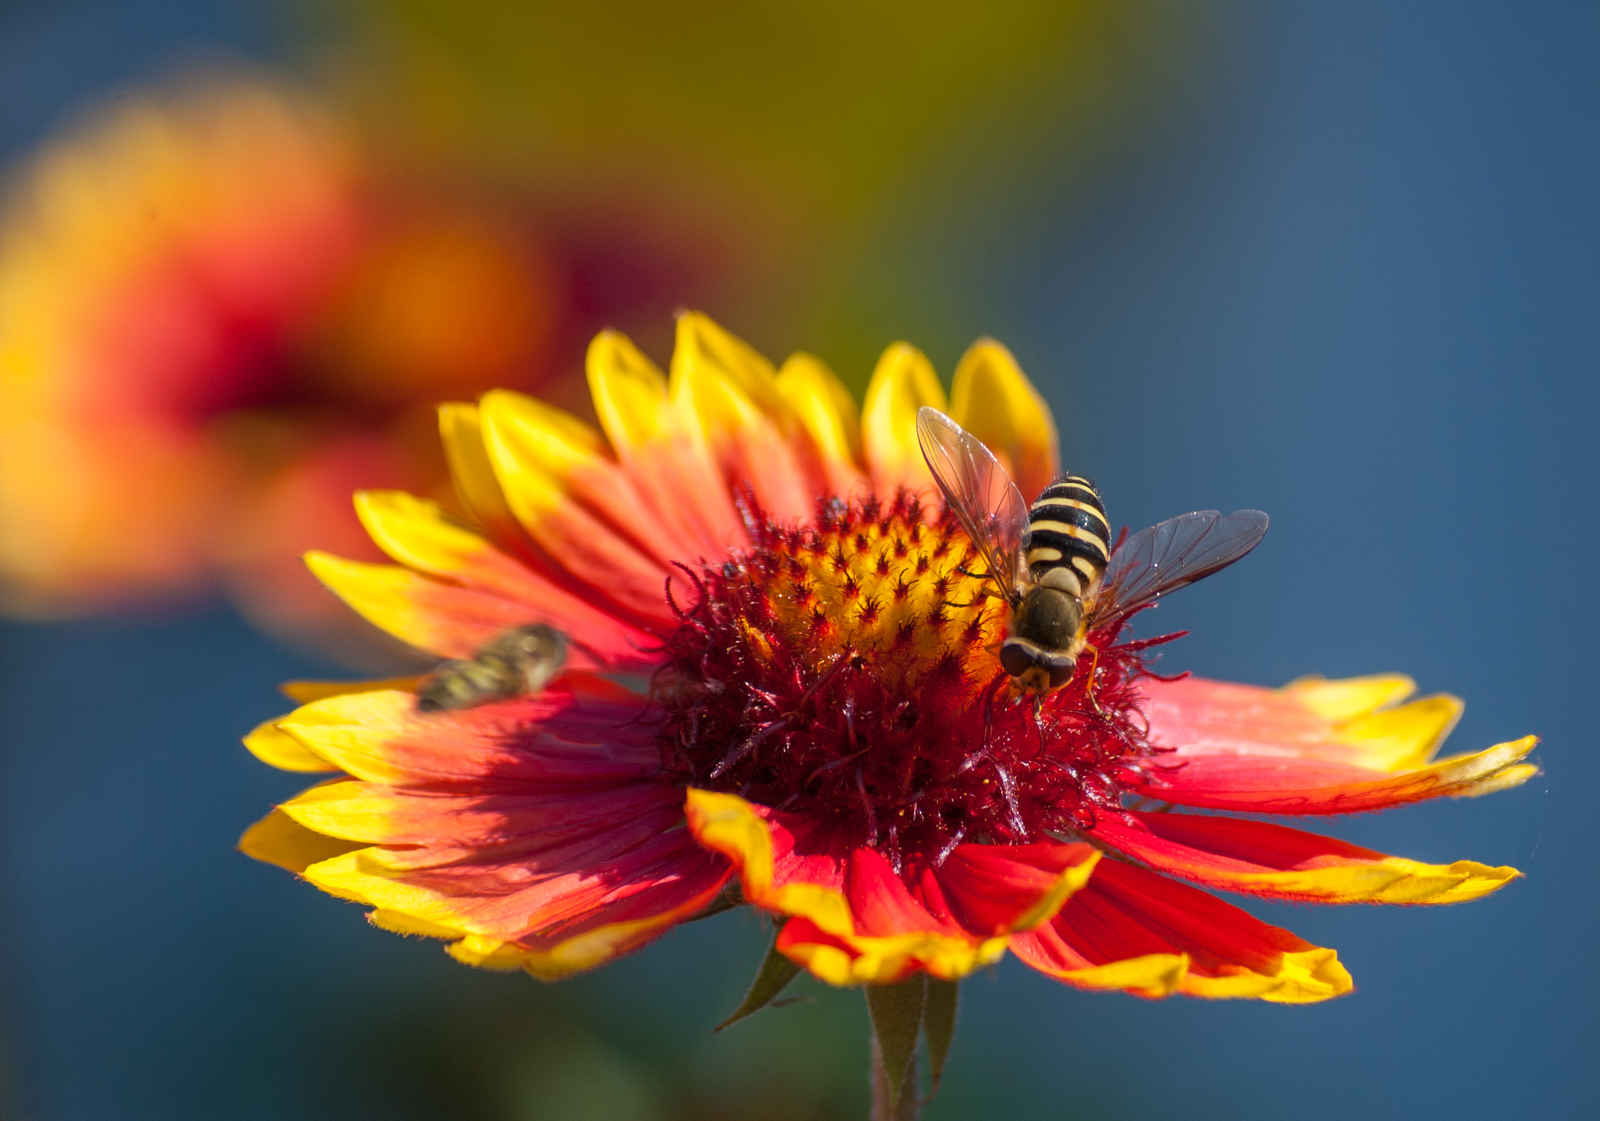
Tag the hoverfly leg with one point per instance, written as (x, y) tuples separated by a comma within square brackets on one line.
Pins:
[(988, 728), (988, 711), (1094, 664), (984, 591)]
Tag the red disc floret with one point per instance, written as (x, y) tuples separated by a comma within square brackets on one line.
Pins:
[(848, 669)]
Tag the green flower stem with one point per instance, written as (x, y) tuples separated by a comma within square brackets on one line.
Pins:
[(908, 1107)]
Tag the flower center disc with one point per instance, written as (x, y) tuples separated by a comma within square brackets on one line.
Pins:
[(849, 668)]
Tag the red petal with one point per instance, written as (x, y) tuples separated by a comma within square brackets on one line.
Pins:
[(881, 903), (996, 889), (807, 850)]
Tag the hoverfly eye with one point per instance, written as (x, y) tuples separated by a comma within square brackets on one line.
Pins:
[(1015, 659)]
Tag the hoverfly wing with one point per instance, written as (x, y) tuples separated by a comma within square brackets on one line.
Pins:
[(980, 492), (1173, 555)]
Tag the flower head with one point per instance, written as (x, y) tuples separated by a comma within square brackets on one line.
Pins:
[(825, 714), (848, 670)]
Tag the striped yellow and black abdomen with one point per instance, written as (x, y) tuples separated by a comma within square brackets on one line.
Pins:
[(1067, 528)]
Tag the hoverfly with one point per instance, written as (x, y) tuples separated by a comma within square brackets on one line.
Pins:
[(1052, 561), (512, 664)]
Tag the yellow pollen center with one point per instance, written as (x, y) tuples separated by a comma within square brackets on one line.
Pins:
[(896, 592)]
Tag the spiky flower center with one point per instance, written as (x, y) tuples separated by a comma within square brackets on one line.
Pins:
[(849, 669)]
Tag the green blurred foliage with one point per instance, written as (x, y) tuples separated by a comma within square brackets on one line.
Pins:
[(847, 159)]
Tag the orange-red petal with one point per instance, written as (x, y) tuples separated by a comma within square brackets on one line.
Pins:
[(477, 489), (581, 729), (577, 504), (903, 382), (534, 834), (661, 445), (854, 919), (993, 399), (1272, 784), (457, 591), (1258, 858), (1155, 936), (280, 839), (829, 414), (1313, 747), (754, 433), (1358, 720)]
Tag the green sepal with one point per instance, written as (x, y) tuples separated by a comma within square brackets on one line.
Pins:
[(896, 1012), (727, 899), (771, 979), (939, 1025)]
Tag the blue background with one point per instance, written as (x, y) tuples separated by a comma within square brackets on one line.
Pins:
[(1354, 280)]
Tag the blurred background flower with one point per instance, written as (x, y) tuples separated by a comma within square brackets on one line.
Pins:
[(1339, 263), (219, 313), (154, 267)]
